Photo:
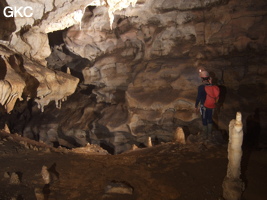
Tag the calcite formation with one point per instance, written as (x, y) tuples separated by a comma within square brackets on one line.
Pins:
[(137, 61), (14, 179), (179, 136), (6, 92), (47, 16), (12, 87), (45, 175), (54, 85), (115, 5), (28, 79), (149, 142), (232, 184)]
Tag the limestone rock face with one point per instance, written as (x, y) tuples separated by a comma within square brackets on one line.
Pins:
[(12, 83), (30, 28), (153, 55), (38, 48), (137, 66), (53, 85), (7, 24), (68, 126), (28, 80), (33, 43)]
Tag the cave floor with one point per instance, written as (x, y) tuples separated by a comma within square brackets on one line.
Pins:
[(164, 172)]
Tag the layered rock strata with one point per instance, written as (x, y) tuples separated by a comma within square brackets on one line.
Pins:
[(143, 70), (23, 79)]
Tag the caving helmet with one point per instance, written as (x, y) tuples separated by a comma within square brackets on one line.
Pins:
[(204, 75)]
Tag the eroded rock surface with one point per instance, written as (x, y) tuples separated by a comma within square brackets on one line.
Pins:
[(140, 72), (23, 79)]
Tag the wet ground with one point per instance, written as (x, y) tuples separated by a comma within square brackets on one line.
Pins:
[(168, 171)]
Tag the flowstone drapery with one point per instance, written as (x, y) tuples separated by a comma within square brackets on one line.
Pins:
[(13, 86), (24, 79)]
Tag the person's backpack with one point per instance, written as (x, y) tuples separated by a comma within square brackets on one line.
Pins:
[(212, 96)]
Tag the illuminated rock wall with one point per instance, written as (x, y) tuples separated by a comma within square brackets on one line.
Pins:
[(22, 79), (142, 63)]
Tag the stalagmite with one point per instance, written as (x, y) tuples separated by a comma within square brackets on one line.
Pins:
[(14, 179), (39, 194), (45, 175), (149, 142), (6, 129), (13, 86), (68, 70), (232, 184), (134, 147), (179, 136)]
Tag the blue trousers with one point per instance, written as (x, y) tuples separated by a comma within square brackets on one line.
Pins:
[(206, 115)]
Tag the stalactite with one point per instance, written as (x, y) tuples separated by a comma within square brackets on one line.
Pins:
[(115, 5)]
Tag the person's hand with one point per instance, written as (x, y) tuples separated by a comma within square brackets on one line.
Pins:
[(197, 110)]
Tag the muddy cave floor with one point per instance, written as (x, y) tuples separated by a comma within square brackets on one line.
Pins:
[(163, 172)]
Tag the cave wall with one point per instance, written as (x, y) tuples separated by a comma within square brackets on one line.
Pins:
[(143, 67), (155, 50)]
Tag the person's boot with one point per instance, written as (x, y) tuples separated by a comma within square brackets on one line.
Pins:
[(209, 131), (205, 132)]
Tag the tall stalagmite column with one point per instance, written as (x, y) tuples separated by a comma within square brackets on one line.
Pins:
[(232, 184)]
